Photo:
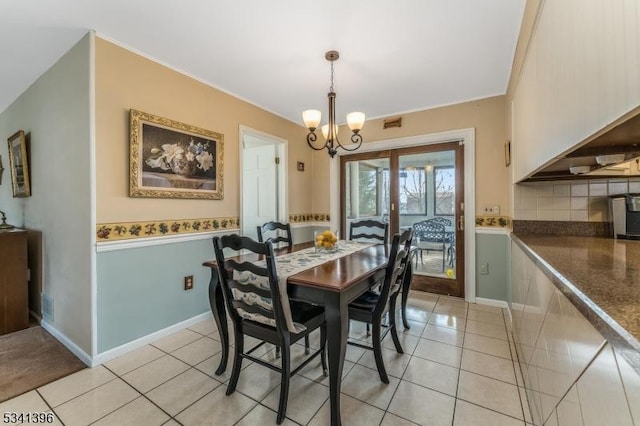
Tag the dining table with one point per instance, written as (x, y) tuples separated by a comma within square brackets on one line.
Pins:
[(333, 284)]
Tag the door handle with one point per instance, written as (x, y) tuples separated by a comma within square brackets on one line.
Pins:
[(461, 223), (393, 207)]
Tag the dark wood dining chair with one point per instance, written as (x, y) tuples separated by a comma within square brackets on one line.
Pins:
[(369, 231), (373, 306), (256, 310), (271, 231), (274, 231)]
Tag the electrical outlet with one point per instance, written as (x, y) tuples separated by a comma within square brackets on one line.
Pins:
[(492, 209), (484, 269), (188, 282)]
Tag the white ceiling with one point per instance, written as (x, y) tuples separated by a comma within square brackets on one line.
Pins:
[(395, 56)]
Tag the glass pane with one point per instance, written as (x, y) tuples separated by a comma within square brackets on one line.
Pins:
[(427, 203), (445, 190), (367, 190), (413, 191)]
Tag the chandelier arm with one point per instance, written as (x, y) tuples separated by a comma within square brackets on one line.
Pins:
[(355, 138), (311, 138)]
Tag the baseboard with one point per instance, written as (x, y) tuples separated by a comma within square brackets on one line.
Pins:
[(68, 343), (497, 303), (142, 341), (492, 302)]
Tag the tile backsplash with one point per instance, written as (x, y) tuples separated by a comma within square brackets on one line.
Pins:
[(579, 201)]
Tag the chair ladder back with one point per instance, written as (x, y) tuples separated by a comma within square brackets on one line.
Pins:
[(275, 227), (395, 267), (382, 236), (250, 291), (408, 240)]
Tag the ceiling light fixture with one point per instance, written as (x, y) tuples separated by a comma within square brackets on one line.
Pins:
[(312, 117), (605, 160), (579, 170)]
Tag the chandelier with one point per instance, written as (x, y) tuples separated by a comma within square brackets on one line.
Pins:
[(311, 118)]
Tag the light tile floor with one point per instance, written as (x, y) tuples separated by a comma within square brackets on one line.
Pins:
[(458, 369)]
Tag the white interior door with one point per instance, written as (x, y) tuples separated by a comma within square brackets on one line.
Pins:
[(259, 186)]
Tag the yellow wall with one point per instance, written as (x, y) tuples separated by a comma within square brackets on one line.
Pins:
[(125, 80), (487, 116)]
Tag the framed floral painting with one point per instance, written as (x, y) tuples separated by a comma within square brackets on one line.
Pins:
[(169, 159)]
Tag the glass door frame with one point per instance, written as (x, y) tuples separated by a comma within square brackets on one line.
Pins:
[(454, 287)]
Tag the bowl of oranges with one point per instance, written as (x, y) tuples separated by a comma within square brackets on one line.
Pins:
[(326, 241)]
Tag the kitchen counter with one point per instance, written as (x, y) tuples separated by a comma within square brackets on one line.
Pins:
[(601, 277)]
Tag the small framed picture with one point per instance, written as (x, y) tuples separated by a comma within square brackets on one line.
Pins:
[(19, 165), (300, 166), (507, 153)]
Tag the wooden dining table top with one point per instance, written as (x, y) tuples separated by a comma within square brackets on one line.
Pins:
[(333, 275)]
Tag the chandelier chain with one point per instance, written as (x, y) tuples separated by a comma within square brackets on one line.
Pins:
[(331, 87)]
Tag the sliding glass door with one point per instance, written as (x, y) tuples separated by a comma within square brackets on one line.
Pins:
[(418, 187), (366, 189)]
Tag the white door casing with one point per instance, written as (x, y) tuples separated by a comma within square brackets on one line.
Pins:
[(263, 194)]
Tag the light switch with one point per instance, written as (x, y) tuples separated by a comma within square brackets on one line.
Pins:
[(484, 269)]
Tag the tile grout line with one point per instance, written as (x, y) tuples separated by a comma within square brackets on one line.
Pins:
[(624, 386), (169, 379), (243, 394), (464, 336), (144, 395), (515, 374), (79, 395), (405, 372), (493, 410), (49, 405), (602, 347)]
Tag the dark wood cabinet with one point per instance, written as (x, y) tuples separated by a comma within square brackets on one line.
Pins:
[(14, 295)]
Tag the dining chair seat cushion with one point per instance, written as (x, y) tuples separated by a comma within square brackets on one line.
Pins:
[(367, 301), (302, 312)]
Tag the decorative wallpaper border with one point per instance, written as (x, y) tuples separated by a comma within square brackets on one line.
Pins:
[(309, 217), (159, 228), (135, 230), (494, 221)]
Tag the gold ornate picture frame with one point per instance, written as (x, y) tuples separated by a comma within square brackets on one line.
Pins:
[(19, 165), (170, 159)]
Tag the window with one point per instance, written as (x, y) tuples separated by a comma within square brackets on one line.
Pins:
[(367, 191), (413, 197), (444, 183)]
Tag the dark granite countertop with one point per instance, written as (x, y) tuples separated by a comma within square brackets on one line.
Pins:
[(601, 277)]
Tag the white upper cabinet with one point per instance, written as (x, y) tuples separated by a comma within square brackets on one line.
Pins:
[(581, 72)]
